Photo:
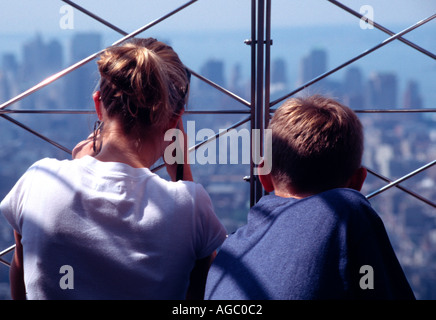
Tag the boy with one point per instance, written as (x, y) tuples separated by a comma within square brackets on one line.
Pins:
[(317, 237)]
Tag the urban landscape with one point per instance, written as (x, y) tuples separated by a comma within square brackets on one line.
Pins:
[(396, 144)]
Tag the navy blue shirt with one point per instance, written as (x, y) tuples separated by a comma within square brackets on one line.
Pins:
[(329, 246)]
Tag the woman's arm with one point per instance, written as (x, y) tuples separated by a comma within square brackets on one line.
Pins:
[(183, 169), (198, 278), (18, 288)]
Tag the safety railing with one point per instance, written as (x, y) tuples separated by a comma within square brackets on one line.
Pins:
[(259, 108)]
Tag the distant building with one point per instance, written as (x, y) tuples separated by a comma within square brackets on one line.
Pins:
[(279, 78), (81, 83), (412, 97), (8, 74), (312, 65), (382, 91), (214, 70), (4, 87), (353, 88), (238, 85), (207, 96), (41, 59), (353, 81), (279, 71), (54, 55), (9, 63)]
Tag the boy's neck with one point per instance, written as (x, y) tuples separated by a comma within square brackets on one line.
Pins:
[(285, 193)]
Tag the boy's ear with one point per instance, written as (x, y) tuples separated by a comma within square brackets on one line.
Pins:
[(266, 180), (357, 179)]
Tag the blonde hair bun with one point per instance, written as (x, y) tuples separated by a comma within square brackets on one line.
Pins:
[(140, 85)]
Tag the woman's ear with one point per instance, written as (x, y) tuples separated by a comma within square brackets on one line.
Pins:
[(173, 124), (98, 105)]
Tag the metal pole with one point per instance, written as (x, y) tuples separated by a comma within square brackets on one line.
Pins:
[(94, 16), (267, 86), (208, 140), (19, 124), (71, 112), (268, 45), (124, 33), (360, 56), (423, 110), (5, 252), (79, 64), (413, 194), (221, 89), (259, 105), (253, 97), (385, 30), (402, 179)]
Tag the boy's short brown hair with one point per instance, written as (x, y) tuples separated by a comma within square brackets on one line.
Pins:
[(317, 144)]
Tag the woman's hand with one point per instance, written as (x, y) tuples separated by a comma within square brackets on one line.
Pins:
[(185, 167), (84, 148)]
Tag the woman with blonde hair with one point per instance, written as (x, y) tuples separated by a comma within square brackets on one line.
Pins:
[(103, 226)]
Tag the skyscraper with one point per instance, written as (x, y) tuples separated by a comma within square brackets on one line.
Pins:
[(4, 87), (353, 89), (279, 78), (40, 60), (313, 65), (8, 76), (214, 70), (412, 97), (382, 91), (207, 96), (9, 63), (81, 82), (279, 71)]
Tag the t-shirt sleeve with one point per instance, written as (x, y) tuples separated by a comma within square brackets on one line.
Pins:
[(12, 206), (211, 232)]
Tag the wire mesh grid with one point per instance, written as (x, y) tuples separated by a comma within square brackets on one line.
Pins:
[(259, 108)]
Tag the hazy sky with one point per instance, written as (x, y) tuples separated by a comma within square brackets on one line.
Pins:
[(27, 17), (44, 15)]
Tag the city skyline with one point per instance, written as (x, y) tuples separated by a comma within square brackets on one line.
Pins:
[(395, 145), (42, 57)]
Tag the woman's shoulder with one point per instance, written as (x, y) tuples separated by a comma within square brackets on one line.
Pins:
[(45, 164), (50, 162), (182, 187)]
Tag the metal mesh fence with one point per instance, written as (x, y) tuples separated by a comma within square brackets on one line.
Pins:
[(257, 109)]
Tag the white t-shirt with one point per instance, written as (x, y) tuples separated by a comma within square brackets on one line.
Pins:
[(105, 230)]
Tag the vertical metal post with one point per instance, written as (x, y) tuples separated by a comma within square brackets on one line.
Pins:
[(260, 85), (259, 104), (268, 45), (253, 98)]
